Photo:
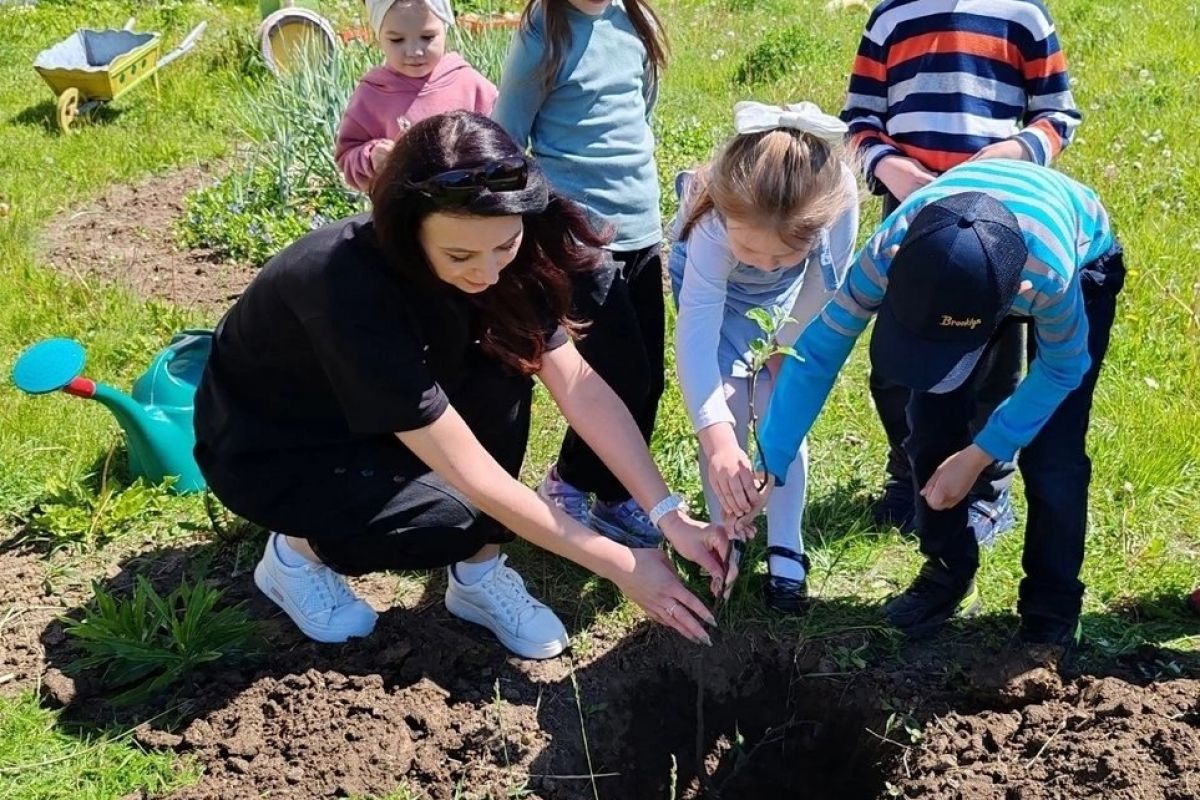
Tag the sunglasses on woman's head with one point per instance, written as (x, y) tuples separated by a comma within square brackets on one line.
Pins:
[(462, 185)]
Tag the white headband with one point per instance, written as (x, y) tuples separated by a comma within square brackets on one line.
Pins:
[(377, 10), (752, 117)]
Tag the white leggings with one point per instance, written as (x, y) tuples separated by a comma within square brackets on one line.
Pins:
[(785, 508)]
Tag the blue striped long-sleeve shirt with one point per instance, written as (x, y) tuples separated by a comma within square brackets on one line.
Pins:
[(939, 80), (1064, 226)]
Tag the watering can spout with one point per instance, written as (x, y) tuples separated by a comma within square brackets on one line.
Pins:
[(156, 419)]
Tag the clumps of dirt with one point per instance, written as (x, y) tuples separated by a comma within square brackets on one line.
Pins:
[(430, 702), (127, 237), (1094, 737), (332, 734)]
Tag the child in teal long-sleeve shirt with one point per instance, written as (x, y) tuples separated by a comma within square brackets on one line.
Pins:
[(577, 89)]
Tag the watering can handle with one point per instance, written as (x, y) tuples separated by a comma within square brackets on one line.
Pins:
[(187, 44)]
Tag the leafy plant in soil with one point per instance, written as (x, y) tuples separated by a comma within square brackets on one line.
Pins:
[(73, 516), (289, 182), (762, 350), (146, 643)]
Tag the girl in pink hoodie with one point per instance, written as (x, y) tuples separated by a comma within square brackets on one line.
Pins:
[(417, 80)]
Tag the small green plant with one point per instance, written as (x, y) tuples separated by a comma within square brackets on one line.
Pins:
[(781, 52), (762, 350), (901, 722), (289, 182), (850, 659), (146, 643), (74, 516)]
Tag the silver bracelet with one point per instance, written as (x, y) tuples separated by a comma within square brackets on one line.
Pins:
[(671, 502)]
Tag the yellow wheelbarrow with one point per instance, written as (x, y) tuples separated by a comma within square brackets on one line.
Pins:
[(91, 67)]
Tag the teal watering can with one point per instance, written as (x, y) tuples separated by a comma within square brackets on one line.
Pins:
[(157, 419)]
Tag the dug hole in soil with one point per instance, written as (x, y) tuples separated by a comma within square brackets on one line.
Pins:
[(433, 703)]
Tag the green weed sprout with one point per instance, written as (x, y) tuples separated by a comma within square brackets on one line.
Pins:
[(146, 643)]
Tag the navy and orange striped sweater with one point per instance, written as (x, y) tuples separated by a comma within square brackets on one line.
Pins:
[(939, 80)]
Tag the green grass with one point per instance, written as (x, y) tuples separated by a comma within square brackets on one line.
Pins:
[(40, 762), (1136, 147), (42, 173)]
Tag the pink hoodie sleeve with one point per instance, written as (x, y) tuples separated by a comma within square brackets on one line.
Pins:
[(355, 140), (485, 96)]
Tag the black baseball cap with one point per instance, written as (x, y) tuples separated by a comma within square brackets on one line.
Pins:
[(951, 283)]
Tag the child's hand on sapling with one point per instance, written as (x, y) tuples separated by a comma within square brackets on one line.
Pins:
[(730, 472)]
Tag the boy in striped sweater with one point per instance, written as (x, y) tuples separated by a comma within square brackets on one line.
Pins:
[(988, 243), (937, 83)]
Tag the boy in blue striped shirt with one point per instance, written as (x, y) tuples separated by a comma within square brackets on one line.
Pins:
[(987, 243)]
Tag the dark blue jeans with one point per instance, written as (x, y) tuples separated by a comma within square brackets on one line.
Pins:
[(1054, 466)]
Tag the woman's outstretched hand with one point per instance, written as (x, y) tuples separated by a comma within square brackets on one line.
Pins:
[(654, 585)]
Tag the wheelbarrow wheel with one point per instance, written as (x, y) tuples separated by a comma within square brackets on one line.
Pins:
[(68, 108)]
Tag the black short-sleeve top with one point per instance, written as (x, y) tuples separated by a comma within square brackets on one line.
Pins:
[(330, 344)]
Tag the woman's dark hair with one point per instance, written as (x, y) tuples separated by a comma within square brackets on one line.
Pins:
[(533, 290)]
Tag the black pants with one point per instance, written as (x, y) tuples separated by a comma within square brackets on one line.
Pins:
[(1055, 468), (372, 505), (997, 377), (624, 345)]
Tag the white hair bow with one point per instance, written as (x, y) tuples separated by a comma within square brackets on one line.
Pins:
[(752, 117)]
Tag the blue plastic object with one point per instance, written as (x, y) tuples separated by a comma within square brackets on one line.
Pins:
[(157, 418), (48, 366)]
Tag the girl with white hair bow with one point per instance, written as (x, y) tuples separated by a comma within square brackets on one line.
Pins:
[(769, 223), (417, 80)]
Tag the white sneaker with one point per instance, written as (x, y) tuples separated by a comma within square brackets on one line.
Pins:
[(500, 603), (315, 597)]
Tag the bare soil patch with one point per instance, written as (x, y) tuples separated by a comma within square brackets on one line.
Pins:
[(127, 237), (432, 702)]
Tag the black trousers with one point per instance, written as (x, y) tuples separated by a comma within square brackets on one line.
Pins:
[(1055, 468), (371, 505), (998, 374), (624, 345)]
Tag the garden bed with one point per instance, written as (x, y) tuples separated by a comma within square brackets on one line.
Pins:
[(429, 703), (128, 237)]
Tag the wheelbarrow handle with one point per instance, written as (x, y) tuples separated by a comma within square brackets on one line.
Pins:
[(187, 44)]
